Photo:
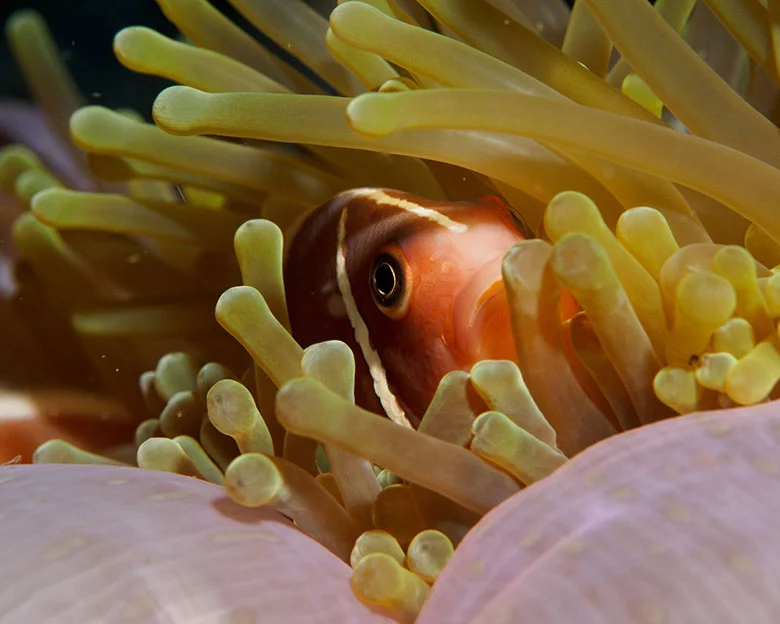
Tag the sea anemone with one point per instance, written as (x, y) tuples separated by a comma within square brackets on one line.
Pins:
[(636, 143)]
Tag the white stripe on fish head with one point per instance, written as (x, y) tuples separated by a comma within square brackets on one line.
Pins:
[(376, 368)]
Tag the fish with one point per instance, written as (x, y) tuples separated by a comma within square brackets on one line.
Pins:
[(412, 285)]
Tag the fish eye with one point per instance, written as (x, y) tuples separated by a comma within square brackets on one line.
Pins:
[(390, 285), (387, 280)]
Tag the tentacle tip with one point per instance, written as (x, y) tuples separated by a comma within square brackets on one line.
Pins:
[(21, 19), (175, 110), (374, 114)]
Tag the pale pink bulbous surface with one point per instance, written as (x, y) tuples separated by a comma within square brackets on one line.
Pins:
[(83, 544), (675, 522)]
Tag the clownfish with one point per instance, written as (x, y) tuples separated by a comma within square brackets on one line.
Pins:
[(412, 285)]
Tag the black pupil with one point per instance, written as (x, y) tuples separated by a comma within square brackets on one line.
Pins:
[(386, 280)]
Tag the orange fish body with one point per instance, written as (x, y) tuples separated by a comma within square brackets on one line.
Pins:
[(412, 285)]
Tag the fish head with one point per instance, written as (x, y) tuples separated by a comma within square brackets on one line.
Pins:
[(412, 285)]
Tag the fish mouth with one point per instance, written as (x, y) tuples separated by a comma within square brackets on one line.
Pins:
[(483, 330)]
